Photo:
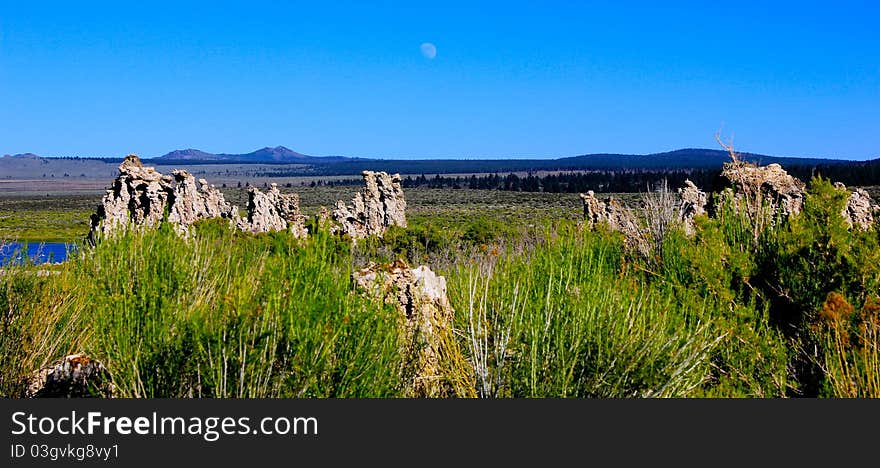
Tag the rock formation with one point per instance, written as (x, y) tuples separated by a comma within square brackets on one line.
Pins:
[(612, 212), (142, 197), (757, 183), (860, 209), (594, 209), (381, 204), (693, 203), (191, 202), (273, 211), (766, 191), (786, 193), (75, 376), (420, 297), (139, 196)]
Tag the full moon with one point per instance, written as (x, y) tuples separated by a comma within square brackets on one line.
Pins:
[(429, 50)]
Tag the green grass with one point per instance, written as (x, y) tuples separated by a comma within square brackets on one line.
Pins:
[(65, 218), (560, 321), (46, 219), (232, 315), (223, 316)]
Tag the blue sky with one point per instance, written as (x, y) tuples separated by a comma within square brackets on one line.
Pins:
[(509, 79)]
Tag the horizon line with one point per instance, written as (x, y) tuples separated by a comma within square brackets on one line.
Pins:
[(449, 158)]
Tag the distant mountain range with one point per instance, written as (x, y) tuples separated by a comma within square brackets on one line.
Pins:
[(688, 158), (297, 164), (691, 158), (683, 159), (267, 154), (23, 156)]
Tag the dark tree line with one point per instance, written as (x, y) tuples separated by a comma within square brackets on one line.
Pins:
[(572, 182), (857, 174), (633, 180)]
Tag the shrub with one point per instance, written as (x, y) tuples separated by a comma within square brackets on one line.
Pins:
[(224, 315), (484, 230), (562, 322), (851, 347)]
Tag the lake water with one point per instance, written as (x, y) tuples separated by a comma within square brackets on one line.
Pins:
[(51, 252)]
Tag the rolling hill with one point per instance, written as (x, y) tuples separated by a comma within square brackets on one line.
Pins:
[(672, 160), (278, 154)]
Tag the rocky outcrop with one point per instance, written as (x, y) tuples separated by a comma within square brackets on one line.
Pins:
[(141, 197), (860, 208), (420, 297), (381, 204), (693, 203), (273, 211), (138, 196), (193, 201), (612, 212), (765, 191), (594, 209), (784, 193), (75, 376)]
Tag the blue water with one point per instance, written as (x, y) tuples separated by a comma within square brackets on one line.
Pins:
[(51, 252)]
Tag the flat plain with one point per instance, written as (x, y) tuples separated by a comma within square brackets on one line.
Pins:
[(45, 215)]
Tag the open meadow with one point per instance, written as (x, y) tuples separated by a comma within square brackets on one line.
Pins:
[(64, 217)]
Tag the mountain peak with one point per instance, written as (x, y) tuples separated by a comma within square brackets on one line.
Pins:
[(265, 154), (278, 153), (190, 154)]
